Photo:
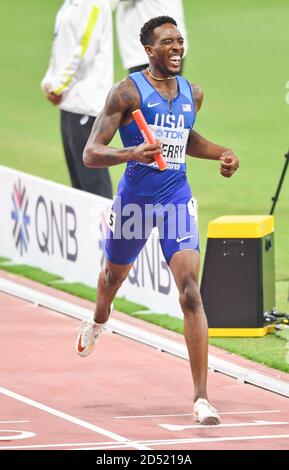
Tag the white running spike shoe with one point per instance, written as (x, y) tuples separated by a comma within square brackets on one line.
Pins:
[(204, 413), (89, 333)]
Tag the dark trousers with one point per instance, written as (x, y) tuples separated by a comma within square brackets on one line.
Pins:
[(75, 130)]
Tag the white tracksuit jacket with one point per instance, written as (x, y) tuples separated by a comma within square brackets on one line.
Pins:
[(81, 63)]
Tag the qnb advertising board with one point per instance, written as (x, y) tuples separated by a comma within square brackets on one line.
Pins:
[(62, 230)]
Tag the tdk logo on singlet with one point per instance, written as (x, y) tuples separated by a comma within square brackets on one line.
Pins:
[(169, 134)]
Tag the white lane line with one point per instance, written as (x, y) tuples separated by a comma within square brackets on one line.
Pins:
[(112, 447), (191, 414), (175, 427), (214, 439), (19, 434), (249, 412), (13, 422), (166, 442), (71, 419), (76, 444)]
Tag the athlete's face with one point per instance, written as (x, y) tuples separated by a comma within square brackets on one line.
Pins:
[(168, 48)]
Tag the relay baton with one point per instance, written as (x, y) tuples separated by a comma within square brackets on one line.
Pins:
[(147, 133)]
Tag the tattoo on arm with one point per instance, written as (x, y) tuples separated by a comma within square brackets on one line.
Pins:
[(121, 101)]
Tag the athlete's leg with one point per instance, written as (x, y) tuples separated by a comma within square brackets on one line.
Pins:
[(122, 247), (121, 252), (181, 251), (185, 268), (109, 282)]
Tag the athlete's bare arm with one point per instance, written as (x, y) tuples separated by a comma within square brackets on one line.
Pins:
[(121, 101), (200, 147), (198, 96)]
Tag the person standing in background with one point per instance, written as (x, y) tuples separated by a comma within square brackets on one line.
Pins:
[(78, 78), (130, 17)]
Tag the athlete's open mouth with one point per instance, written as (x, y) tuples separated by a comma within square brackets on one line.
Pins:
[(175, 59)]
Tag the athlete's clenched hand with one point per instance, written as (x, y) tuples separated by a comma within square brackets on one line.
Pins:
[(145, 152), (229, 163)]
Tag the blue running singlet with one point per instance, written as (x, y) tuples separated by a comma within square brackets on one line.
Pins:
[(171, 123), (148, 197)]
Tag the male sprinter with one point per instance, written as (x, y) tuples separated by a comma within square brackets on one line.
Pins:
[(169, 103)]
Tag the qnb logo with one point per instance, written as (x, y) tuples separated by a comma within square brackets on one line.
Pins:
[(20, 217)]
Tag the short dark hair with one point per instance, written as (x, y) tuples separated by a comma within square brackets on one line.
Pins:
[(146, 33)]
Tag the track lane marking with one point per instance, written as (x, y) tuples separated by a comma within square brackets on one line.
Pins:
[(213, 439), (191, 414), (19, 434), (76, 444), (71, 419), (176, 427), (201, 441), (167, 442)]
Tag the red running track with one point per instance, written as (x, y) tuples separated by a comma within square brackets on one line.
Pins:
[(124, 396)]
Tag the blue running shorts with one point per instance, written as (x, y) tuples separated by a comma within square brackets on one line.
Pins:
[(132, 218)]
